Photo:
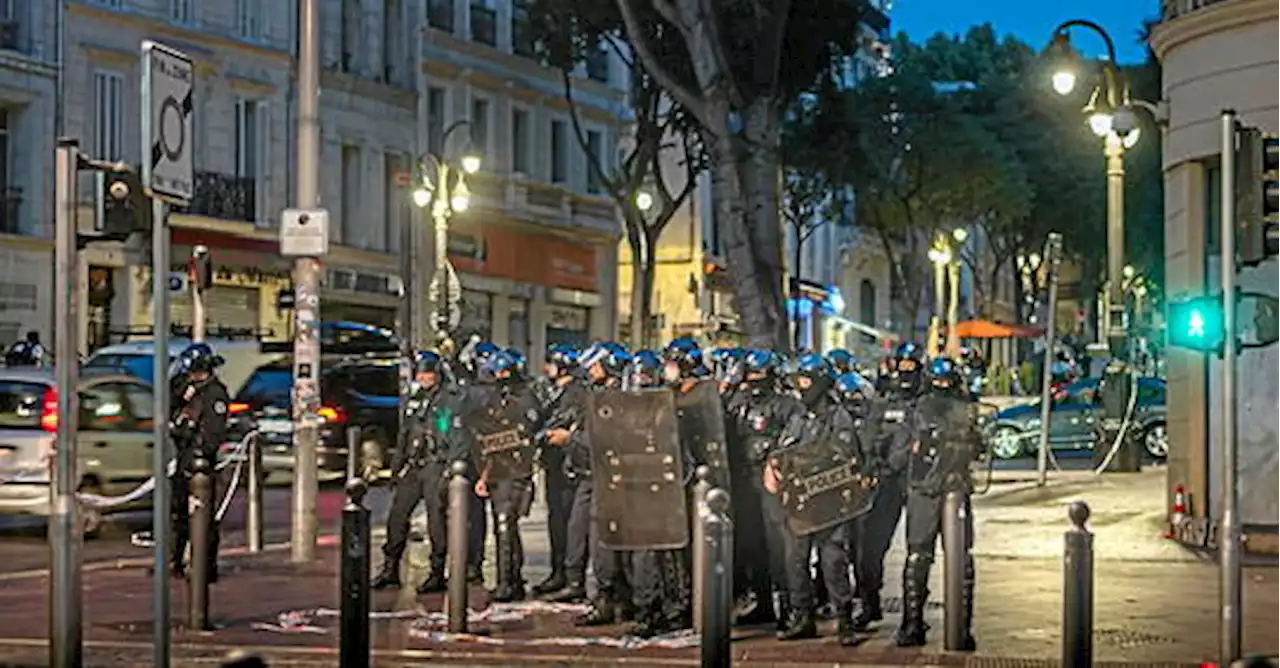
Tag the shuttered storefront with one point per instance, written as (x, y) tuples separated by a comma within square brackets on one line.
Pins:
[(224, 307)]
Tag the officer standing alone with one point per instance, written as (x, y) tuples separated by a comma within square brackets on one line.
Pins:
[(198, 428)]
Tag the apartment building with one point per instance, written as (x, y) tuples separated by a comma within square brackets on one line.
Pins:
[(535, 252), (28, 110)]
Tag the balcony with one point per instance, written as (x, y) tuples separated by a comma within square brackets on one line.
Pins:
[(224, 197), (484, 25), (440, 15), (1172, 9), (10, 203), (598, 65)]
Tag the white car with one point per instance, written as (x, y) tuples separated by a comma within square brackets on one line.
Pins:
[(114, 440), (240, 358)]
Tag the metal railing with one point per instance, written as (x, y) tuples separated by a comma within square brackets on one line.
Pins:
[(1172, 9), (484, 25), (10, 208), (223, 196)]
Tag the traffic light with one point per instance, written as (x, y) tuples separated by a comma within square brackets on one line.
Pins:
[(1257, 196), (122, 206), (1196, 324)]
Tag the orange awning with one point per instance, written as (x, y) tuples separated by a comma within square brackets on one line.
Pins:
[(986, 329)]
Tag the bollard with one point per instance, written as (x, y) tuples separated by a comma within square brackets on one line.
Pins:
[(697, 541), (954, 542), (253, 524), (353, 638), (460, 494), (717, 580), (201, 529), (1077, 590), (353, 452)]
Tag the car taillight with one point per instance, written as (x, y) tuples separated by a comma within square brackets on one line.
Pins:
[(49, 411), (237, 407), (332, 414)]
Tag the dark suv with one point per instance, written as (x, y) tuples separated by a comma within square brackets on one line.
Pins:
[(361, 392)]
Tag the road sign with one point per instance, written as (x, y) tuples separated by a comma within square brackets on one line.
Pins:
[(304, 233), (168, 84), (177, 281)]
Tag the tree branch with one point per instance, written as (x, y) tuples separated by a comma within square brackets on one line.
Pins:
[(593, 160), (687, 98)]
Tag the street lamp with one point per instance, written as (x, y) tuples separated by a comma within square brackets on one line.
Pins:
[(944, 255), (644, 201)]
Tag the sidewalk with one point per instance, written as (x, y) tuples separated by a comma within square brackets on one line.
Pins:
[(1151, 607)]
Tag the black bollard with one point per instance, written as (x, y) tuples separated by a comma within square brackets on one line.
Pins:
[(717, 581), (353, 452), (353, 640), (253, 521), (460, 499), (1077, 590), (697, 542), (954, 540), (201, 527)]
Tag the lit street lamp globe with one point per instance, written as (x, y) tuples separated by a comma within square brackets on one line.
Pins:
[(939, 256), (960, 234), (460, 202), (421, 197), (1100, 123), (644, 201), (471, 163), (1064, 81)]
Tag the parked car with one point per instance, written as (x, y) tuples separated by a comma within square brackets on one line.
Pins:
[(363, 392), (114, 440), (1015, 431), (135, 358)]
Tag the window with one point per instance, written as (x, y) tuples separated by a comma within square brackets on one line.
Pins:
[(268, 386), (252, 123), (141, 404), (480, 126), (1212, 208), (249, 19), (108, 116), (595, 162), (350, 34), (4, 152), (21, 404), (559, 153), (435, 120), (392, 44), (102, 408), (350, 192), (867, 303), (520, 141), (395, 204), (180, 11)]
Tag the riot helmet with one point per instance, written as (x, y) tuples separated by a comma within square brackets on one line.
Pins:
[(561, 361), (944, 377), (683, 359), (853, 389), (428, 367), (760, 365), (908, 366), (646, 369), (604, 361), (842, 361), (500, 368), (522, 363), (198, 358), (724, 359), (811, 377)]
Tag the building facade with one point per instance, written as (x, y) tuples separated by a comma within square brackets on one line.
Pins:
[(1216, 55), (536, 254)]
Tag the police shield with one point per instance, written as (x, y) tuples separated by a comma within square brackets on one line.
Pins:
[(822, 485), (639, 493), (702, 430), (949, 443), (503, 438)]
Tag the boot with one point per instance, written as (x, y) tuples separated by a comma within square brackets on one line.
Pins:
[(762, 613), (554, 582), (800, 625), (434, 584), (783, 612), (915, 590), (868, 612), (474, 575), (573, 592), (845, 629), (508, 592), (969, 644), (388, 577), (601, 613)]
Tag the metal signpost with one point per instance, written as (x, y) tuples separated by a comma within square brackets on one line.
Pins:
[(306, 285), (1229, 537), (1053, 256), (167, 103)]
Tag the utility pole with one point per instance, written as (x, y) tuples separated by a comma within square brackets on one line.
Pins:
[(1232, 600), (1114, 315), (1052, 255), (306, 281)]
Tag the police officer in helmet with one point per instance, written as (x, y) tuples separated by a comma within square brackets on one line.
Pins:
[(550, 389), (198, 428), (842, 362), (946, 443), (432, 424), (28, 352)]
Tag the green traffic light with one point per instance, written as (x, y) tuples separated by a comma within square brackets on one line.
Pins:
[(1196, 323)]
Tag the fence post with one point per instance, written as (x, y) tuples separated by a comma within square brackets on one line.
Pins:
[(353, 639), (201, 529), (717, 580), (954, 541), (353, 452), (697, 541), (460, 493), (253, 524), (1077, 590)]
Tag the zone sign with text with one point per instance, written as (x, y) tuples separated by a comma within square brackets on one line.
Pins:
[(167, 91)]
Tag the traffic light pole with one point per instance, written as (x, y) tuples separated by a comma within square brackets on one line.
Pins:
[(1229, 534)]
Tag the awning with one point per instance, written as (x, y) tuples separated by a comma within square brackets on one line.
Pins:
[(986, 329)]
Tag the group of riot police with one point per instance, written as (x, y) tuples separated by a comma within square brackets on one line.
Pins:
[(820, 460)]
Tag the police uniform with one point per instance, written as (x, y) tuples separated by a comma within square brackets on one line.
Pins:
[(946, 443), (886, 432), (558, 487), (198, 429), (434, 437)]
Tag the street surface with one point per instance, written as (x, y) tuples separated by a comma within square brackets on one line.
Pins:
[(1156, 602)]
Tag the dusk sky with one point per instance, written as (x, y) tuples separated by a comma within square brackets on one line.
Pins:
[(1032, 21)]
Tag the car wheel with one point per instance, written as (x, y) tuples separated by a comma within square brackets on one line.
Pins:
[(1006, 443), (373, 457), (1155, 440)]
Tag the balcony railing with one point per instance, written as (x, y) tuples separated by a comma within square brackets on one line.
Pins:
[(224, 196), (440, 15), (598, 65), (484, 25), (1172, 9), (10, 203)]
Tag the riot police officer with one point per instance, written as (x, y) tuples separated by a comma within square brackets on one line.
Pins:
[(724, 362), (550, 390), (28, 352), (945, 445), (506, 406), (842, 362), (433, 426), (198, 429), (886, 432), (823, 422)]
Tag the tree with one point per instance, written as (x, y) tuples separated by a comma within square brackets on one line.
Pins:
[(570, 31), (739, 63)]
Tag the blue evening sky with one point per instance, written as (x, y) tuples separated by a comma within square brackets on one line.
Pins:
[(1031, 21)]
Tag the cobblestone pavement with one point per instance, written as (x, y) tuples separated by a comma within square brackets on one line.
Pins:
[(1155, 604)]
